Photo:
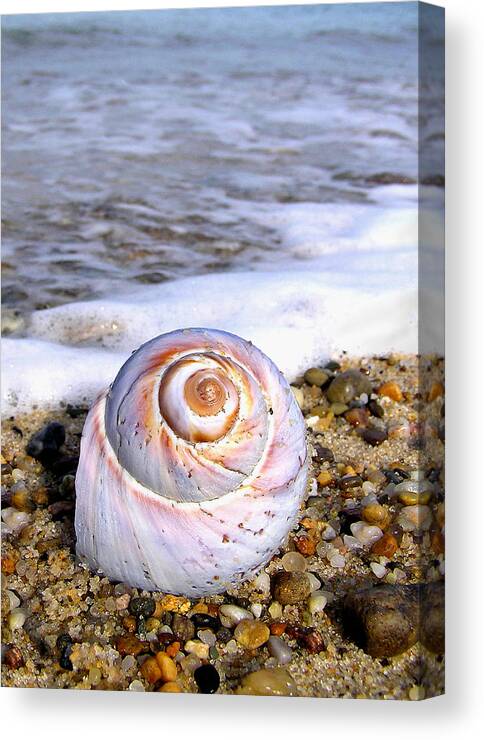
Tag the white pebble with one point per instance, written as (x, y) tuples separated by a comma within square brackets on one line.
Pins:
[(256, 610), (14, 519), (231, 615), (16, 619), (337, 561), (231, 646), (351, 542), (275, 610), (294, 562), (128, 663), (415, 517), (263, 582), (13, 599), (329, 533), (314, 582), (198, 648), (317, 602), (136, 686), (379, 570), (279, 650), (207, 637), (367, 534)]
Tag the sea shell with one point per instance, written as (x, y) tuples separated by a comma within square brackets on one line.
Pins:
[(192, 466)]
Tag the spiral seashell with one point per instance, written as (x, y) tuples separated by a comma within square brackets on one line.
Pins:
[(192, 466)]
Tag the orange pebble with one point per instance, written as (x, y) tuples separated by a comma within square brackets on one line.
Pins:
[(305, 545), (277, 628), (391, 390), (150, 670), (324, 478), (170, 687), (436, 390), (386, 545), (173, 649), (166, 666)]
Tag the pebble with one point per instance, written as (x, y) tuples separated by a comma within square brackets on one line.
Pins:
[(16, 619), (14, 519), (207, 637), (94, 676), (323, 454), (391, 390), (150, 670), (167, 667), (233, 614), (317, 602), (376, 514), (142, 606), (279, 650), (314, 583), (183, 627), (316, 376), (170, 687), (383, 620), (251, 633), (268, 682), (263, 582), (351, 543), (324, 478), (290, 588), (416, 693), (415, 517), (13, 599), (207, 679), (348, 385), (198, 648), (374, 436), (136, 685), (337, 560), (293, 562), (231, 646), (386, 546), (129, 645), (357, 417), (379, 570), (375, 409), (275, 610), (201, 620), (190, 663), (256, 610), (122, 602), (46, 443), (328, 534), (365, 533), (13, 658), (128, 663)]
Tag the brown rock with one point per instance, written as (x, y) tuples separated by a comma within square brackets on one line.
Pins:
[(183, 627), (347, 386), (357, 417), (13, 658), (290, 588), (150, 670), (130, 645), (432, 623), (386, 546), (305, 545), (383, 620)]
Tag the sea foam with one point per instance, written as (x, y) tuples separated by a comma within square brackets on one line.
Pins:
[(298, 318)]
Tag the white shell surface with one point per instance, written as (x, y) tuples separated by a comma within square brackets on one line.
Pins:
[(163, 513)]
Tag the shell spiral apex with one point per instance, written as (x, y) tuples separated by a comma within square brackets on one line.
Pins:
[(192, 466)]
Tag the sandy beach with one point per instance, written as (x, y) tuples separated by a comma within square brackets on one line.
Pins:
[(336, 613)]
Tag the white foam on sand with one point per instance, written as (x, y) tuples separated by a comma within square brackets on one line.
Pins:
[(297, 318)]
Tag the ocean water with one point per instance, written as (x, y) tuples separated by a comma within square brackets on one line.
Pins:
[(251, 168)]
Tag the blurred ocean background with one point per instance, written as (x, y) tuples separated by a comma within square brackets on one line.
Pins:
[(144, 147)]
